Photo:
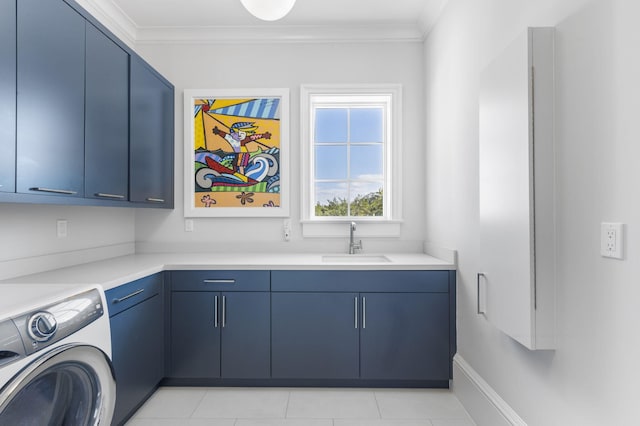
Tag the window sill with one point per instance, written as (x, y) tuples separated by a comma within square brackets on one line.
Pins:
[(340, 229)]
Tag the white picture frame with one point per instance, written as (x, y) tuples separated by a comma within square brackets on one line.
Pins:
[(236, 150)]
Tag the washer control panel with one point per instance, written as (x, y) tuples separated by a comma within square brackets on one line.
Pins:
[(49, 324)]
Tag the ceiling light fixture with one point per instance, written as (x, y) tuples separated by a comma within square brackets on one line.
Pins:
[(268, 10)]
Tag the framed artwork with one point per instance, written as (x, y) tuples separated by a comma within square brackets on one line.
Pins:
[(236, 153)]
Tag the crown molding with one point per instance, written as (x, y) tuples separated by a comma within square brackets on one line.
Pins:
[(430, 16), (280, 34), (116, 20), (112, 17)]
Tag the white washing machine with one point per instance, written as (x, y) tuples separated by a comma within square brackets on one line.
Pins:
[(55, 356)]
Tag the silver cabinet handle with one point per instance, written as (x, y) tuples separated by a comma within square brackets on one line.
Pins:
[(224, 311), (218, 281), (54, 191), (104, 195), (155, 200), (364, 312), (128, 296), (215, 312), (355, 311), (478, 310)]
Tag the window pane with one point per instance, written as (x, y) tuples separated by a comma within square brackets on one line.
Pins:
[(366, 124), (367, 162), (331, 199), (331, 125), (331, 162), (366, 199)]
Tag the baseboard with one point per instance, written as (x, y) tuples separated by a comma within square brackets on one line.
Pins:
[(37, 264), (481, 401), (306, 383)]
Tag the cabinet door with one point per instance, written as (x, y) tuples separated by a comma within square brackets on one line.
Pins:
[(516, 210), (405, 336), (151, 151), (314, 335), (50, 103), (7, 95), (138, 344), (107, 118), (246, 335), (195, 335)]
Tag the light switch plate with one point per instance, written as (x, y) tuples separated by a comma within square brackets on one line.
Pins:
[(612, 240)]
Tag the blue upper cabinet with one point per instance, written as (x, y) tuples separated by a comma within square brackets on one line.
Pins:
[(83, 119), (50, 101), (7, 95), (151, 144), (107, 118)]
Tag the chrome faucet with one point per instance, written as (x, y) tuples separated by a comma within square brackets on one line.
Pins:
[(353, 245)]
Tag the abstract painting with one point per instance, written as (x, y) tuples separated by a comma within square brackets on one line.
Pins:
[(236, 153)]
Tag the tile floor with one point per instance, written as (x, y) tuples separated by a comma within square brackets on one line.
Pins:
[(173, 406)]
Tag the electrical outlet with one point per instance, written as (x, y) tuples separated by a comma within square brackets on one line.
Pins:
[(612, 240), (61, 228), (188, 225), (286, 229)]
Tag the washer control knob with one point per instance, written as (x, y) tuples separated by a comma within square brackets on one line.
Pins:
[(42, 326)]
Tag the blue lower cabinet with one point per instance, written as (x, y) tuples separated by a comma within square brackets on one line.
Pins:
[(220, 335), (320, 328), (404, 336), (314, 335), (400, 332), (246, 338), (195, 335), (137, 339)]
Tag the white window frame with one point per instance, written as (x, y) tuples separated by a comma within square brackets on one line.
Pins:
[(379, 226)]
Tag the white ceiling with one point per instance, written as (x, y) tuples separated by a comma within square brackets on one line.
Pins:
[(149, 20)]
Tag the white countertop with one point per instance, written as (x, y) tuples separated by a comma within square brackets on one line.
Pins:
[(111, 273)]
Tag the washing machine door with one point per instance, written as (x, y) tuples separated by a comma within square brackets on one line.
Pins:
[(71, 385)]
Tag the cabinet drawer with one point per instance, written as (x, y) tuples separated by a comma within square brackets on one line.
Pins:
[(220, 281), (130, 294), (361, 281)]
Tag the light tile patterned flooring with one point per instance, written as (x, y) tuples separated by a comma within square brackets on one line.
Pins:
[(173, 406)]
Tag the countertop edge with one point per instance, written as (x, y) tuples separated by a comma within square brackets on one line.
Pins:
[(111, 273)]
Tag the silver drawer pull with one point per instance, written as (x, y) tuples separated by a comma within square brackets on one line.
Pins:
[(355, 312), (215, 312), (116, 196), (215, 281), (155, 200), (128, 296), (54, 191), (224, 311), (364, 313)]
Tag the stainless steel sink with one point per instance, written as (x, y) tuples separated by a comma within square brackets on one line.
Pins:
[(355, 258)]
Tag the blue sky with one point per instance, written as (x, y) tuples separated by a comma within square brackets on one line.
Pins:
[(363, 129)]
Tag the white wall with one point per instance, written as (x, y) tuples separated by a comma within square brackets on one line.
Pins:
[(29, 241), (28, 231), (288, 65), (592, 378)]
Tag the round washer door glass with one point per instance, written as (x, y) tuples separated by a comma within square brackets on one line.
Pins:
[(72, 385)]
